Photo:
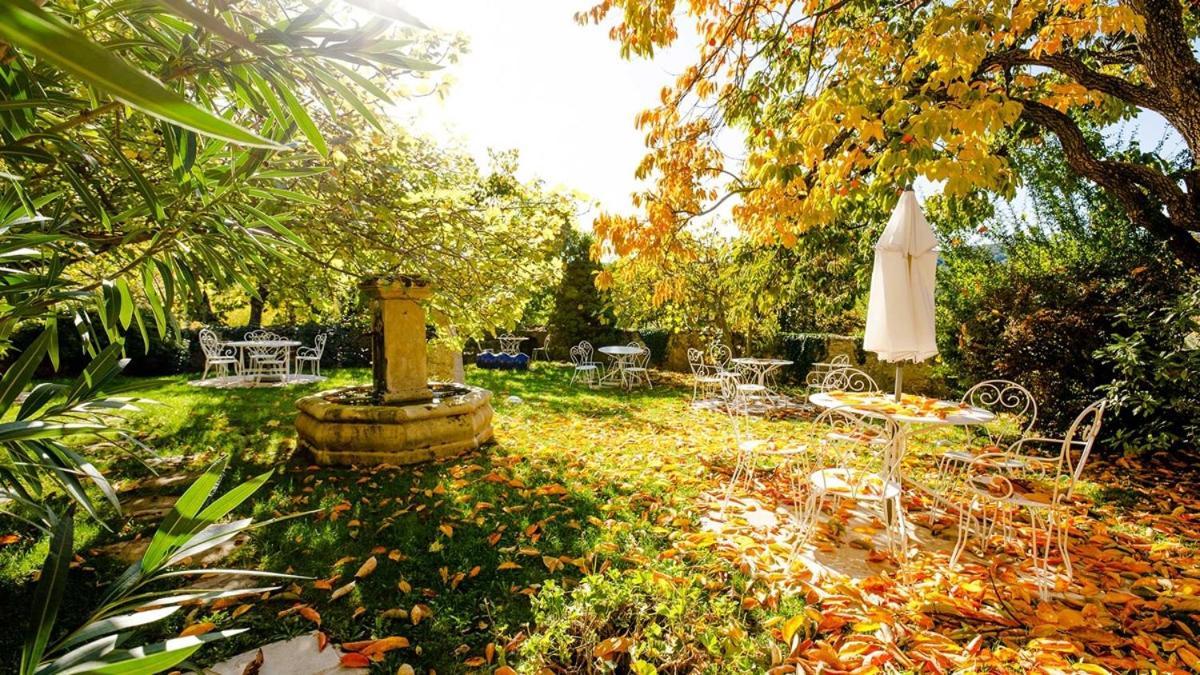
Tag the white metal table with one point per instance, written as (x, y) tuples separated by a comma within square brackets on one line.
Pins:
[(622, 356), (937, 413), (761, 369), (511, 344), (242, 345)]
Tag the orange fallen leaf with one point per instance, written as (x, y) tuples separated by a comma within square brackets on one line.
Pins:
[(197, 629), (367, 568), (384, 645), (355, 660), (311, 614)]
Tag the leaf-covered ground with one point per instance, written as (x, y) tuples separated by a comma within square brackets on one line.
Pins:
[(588, 538)]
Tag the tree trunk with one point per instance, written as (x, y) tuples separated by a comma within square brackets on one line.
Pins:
[(257, 302)]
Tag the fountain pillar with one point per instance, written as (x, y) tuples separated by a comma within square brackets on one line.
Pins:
[(398, 349)]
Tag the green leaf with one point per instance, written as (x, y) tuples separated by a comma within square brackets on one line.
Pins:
[(143, 186), (48, 595), (182, 521), (21, 371), (303, 120), (350, 97), (212, 24), (28, 26)]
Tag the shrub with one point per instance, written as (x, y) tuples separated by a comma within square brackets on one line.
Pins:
[(1154, 395), (637, 620)]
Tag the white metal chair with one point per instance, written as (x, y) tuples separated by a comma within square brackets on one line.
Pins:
[(857, 459), (638, 370), (1016, 415), (311, 355), (1001, 486), (820, 369), (706, 382), (543, 349), (750, 449), (581, 357), (258, 335), (850, 380), (266, 361), (217, 356), (721, 356)]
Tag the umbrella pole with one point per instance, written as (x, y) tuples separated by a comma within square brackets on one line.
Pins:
[(899, 380)]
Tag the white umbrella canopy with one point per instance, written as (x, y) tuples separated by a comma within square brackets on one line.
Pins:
[(900, 314)]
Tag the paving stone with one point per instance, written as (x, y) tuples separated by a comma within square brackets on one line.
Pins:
[(298, 656)]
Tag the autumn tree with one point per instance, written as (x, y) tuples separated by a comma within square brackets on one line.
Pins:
[(842, 100)]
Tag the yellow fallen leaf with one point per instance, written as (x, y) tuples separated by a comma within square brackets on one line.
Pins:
[(367, 568)]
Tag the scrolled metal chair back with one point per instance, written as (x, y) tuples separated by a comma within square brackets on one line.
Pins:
[(319, 344), (720, 354), (1004, 398), (258, 334), (853, 440), (840, 360), (1082, 434), (585, 348), (849, 379), (210, 344), (695, 359)]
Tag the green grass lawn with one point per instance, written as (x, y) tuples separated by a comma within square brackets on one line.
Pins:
[(493, 544), (579, 541)]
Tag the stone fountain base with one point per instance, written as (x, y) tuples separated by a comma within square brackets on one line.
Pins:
[(354, 426)]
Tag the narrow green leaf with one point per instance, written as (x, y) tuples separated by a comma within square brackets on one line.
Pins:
[(212, 24), (303, 120), (28, 26), (182, 521), (21, 371), (48, 595)]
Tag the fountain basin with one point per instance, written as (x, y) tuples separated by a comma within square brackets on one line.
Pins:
[(358, 425)]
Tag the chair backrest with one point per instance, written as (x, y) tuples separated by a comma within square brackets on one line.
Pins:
[(581, 354), (695, 359), (849, 379), (643, 359), (720, 354), (840, 360), (319, 343), (1082, 435), (210, 344), (258, 334), (849, 440), (1013, 405)]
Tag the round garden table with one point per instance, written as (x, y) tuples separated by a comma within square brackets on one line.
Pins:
[(924, 412), (622, 356)]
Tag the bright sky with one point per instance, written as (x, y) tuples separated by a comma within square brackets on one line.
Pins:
[(558, 92)]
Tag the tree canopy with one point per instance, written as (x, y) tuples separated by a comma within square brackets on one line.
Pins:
[(843, 101)]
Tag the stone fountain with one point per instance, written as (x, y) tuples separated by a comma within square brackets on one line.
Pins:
[(402, 418)]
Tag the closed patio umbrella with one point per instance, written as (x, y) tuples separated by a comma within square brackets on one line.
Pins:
[(900, 318)]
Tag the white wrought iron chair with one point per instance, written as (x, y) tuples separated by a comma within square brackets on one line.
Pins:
[(1002, 486), (217, 356), (581, 357), (1016, 415), (706, 382), (821, 369), (266, 361), (721, 356), (850, 380), (311, 355), (543, 349), (638, 370), (749, 449), (856, 459)]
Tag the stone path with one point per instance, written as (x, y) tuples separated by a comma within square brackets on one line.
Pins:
[(298, 656)]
